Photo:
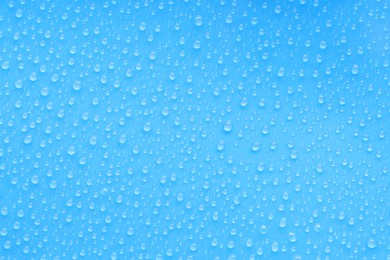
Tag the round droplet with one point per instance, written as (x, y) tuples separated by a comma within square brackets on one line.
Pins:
[(294, 155), (82, 161), (292, 237), (122, 139), (53, 184), (220, 146), (4, 211), (255, 147), (71, 150), (227, 127), (262, 103), (371, 243), (273, 146), (283, 223), (18, 84), (117, 84), (35, 179), (93, 140), (33, 76), (7, 244), (45, 91), (165, 111), (152, 55), (5, 65), (244, 102), (254, 21), (77, 85), (198, 20), (263, 229), (142, 26), (275, 247), (323, 45), (147, 127), (28, 139), (193, 247), (197, 45), (229, 19), (260, 167), (355, 69)]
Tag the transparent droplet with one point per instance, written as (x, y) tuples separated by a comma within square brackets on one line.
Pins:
[(197, 44), (5, 65), (71, 150), (260, 167), (93, 140), (355, 69), (254, 21), (220, 146), (33, 76), (275, 247), (28, 139), (18, 84), (294, 155), (323, 45), (229, 19), (45, 91), (77, 85), (198, 20), (35, 179), (165, 111), (292, 237), (147, 127), (122, 139), (371, 243), (227, 127), (255, 147)]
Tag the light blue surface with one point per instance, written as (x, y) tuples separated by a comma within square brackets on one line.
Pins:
[(194, 129)]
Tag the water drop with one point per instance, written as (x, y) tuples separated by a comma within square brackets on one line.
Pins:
[(255, 147), (198, 20), (227, 127), (147, 127), (220, 146), (28, 139), (77, 85), (371, 243)]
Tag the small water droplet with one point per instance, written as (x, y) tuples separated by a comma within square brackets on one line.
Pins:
[(371, 243), (35, 179), (147, 127), (197, 44), (28, 139), (355, 69), (227, 127), (5, 65), (198, 20), (221, 145), (255, 147), (71, 150), (77, 85)]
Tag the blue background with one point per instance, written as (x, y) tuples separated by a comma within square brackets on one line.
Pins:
[(194, 129)]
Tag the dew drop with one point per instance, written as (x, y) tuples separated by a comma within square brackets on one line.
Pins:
[(147, 127), (220, 146), (198, 20), (28, 139), (371, 243), (227, 127), (77, 85)]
